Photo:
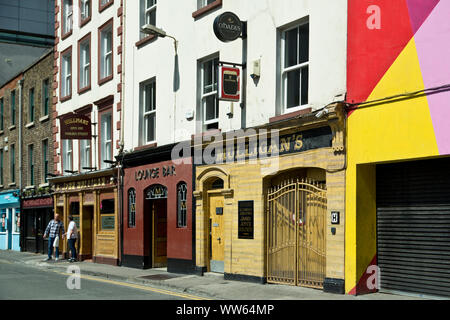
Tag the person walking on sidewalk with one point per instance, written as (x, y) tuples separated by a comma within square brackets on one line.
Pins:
[(72, 235), (52, 231)]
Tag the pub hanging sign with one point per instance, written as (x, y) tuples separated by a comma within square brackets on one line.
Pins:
[(75, 127), (229, 83)]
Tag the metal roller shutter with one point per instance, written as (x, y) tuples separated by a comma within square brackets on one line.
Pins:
[(413, 227)]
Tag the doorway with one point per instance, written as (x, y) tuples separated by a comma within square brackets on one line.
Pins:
[(87, 233), (216, 233), (159, 233)]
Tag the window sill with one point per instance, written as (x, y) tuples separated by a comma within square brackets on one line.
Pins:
[(210, 7), (29, 125), (12, 184), (85, 21), (29, 187), (146, 146), (66, 35), (1, 132), (105, 80), (145, 40), (12, 127), (83, 90), (44, 185), (1, 186), (63, 99), (44, 118), (101, 8)]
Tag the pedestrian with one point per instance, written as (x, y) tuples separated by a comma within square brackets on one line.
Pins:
[(55, 226), (72, 235)]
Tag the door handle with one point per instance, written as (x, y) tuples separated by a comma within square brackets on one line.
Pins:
[(219, 239)]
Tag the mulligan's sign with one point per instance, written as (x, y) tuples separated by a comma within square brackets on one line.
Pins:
[(248, 148), (75, 127)]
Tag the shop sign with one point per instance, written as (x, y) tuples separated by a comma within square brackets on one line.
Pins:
[(245, 219), (227, 27), (75, 127), (84, 184), (229, 84), (154, 173), (255, 147), (108, 222)]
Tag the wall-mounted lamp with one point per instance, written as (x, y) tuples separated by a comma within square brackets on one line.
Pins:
[(151, 29)]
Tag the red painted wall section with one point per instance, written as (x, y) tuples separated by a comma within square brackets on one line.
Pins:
[(137, 240), (371, 52), (367, 279)]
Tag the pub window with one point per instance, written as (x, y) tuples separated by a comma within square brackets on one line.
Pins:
[(182, 205), (107, 219), (66, 156), (16, 221), (131, 208), (295, 67), (204, 3), (74, 208), (148, 111), (107, 206), (3, 220), (217, 184)]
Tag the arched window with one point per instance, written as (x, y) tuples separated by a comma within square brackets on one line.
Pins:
[(217, 184), (182, 205), (131, 208)]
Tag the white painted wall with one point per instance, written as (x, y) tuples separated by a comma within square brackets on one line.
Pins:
[(97, 91), (328, 32)]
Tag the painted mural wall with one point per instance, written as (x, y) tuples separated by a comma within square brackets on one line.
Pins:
[(399, 82)]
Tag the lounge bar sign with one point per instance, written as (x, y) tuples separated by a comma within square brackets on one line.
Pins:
[(227, 27), (75, 127)]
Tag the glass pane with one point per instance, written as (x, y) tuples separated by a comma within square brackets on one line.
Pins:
[(290, 48), (207, 77), (150, 127), (210, 108), (150, 17), (304, 43), (305, 80), (293, 88)]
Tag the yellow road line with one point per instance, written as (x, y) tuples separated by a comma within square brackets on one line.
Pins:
[(137, 286)]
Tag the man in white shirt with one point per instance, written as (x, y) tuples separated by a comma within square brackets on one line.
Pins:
[(72, 234)]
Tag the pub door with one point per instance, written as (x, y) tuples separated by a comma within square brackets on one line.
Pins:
[(159, 233), (216, 234)]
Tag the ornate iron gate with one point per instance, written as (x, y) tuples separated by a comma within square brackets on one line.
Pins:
[(296, 211)]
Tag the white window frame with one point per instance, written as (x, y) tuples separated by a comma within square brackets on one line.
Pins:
[(106, 139), (85, 67), (13, 218), (204, 96), (85, 154), (85, 9), (147, 115), (203, 3), (106, 68), (68, 16), (285, 71), (149, 10), (67, 151), (66, 77)]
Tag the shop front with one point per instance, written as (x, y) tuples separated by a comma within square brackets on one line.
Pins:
[(270, 207), (157, 211), (91, 198), (37, 211), (10, 220)]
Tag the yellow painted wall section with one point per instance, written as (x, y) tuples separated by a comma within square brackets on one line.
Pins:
[(384, 132)]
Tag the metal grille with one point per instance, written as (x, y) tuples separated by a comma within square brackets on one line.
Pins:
[(296, 212), (413, 227)]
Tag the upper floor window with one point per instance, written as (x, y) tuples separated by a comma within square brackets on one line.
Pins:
[(204, 3), (1, 166), (131, 208), (85, 154), (105, 138), (45, 97), (103, 4), (31, 105), (13, 107), (147, 14), (85, 11), (84, 77), (106, 52), (182, 205), (66, 74), (295, 67), (12, 163), (148, 111), (45, 162), (1, 113), (31, 165), (67, 17), (67, 155), (208, 93)]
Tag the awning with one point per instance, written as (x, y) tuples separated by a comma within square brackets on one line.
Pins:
[(8, 200)]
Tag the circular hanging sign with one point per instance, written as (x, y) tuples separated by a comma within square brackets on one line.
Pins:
[(227, 27)]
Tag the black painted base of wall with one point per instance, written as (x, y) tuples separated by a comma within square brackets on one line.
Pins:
[(180, 266), (138, 262), (244, 278), (199, 271), (334, 285)]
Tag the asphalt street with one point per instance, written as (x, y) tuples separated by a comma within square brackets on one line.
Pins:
[(20, 282)]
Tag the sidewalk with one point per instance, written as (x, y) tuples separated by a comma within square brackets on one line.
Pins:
[(211, 285)]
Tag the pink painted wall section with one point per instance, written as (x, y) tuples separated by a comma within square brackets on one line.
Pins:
[(433, 48)]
